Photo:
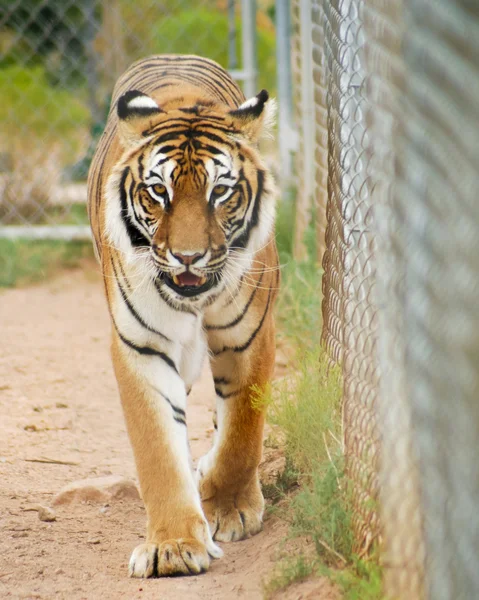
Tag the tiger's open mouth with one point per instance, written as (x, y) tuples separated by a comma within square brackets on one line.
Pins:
[(188, 284)]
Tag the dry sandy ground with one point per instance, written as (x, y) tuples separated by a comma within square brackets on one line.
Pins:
[(58, 401)]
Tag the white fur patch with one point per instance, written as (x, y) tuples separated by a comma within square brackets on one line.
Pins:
[(270, 109), (249, 103), (142, 102)]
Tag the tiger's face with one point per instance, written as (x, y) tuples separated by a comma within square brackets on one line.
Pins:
[(194, 197)]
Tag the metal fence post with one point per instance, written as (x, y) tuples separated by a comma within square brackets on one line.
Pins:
[(305, 156), (248, 17), (287, 136), (232, 56)]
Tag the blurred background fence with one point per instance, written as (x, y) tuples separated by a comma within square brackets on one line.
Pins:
[(59, 60), (378, 134)]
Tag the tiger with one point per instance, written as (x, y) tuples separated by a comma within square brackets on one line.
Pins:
[(182, 211)]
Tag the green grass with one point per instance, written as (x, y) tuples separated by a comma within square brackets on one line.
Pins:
[(306, 407), (201, 30), (361, 581), (290, 571), (286, 480), (30, 106), (298, 309), (25, 261)]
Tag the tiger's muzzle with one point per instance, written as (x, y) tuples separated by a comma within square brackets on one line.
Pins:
[(188, 284), (189, 274)]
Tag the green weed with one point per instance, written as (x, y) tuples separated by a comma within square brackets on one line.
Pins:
[(361, 581), (37, 113), (290, 570), (286, 481), (298, 309), (307, 409)]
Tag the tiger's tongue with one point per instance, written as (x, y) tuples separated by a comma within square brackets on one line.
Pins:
[(189, 279)]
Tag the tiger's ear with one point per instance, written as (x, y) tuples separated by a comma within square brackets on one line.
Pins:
[(256, 116), (135, 116)]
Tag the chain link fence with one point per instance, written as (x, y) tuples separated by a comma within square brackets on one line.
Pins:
[(59, 60), (395, 174)]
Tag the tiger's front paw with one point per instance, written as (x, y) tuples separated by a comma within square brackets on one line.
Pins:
[(233, 516), (171, 557)]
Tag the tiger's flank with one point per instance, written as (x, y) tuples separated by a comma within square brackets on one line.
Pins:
[(182, 211)]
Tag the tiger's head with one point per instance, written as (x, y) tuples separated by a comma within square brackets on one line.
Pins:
[(189, 193)]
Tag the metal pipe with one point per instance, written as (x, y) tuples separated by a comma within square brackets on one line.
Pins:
[(307, 97), (232, 56), (45, 232), (248, 34), (287, 137)]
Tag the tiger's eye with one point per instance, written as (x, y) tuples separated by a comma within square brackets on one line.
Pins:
[(219, 190), (159, 189)]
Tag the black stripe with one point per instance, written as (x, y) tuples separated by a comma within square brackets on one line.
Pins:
[(170, 124), (171, 135), (179, 411), (213, 137), (180, 420), (212, 150), (218, 87), (145, 350), (124, 276), (243, 239), (138, 221), (191, 75), (224, 396), (132, 309), (242, 313), (233, 297), (248, 343), (167, 299), (164, 150), (214, 69), (136, 237)]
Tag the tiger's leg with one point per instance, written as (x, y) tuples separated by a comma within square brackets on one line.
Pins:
[(153, 396), (228, 475)]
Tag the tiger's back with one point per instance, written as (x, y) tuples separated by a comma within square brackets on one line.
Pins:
[(182, 212)]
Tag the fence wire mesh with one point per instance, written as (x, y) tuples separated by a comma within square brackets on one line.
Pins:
[(59, 60), (396, 94)]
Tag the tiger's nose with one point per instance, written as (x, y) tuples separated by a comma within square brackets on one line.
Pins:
[(187, 257)]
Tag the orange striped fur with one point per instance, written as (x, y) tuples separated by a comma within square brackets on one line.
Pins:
[(182, 212)]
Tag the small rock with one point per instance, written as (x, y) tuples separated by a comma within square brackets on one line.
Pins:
[(94, 541), (104, 509), (31, 428), (98, 490), (37, 409), (61, 405), (59, 572), (46, 514)]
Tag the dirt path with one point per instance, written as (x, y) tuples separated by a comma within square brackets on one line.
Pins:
[(58, 399)]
